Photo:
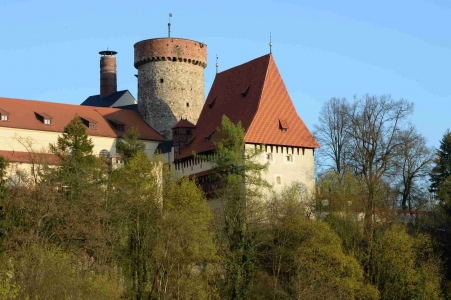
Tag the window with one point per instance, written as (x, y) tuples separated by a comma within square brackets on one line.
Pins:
[(47, 122), (289, 157), (4, 115), (120, 128), (92, 126), (269, 156), (283, 125), (278, 179), (187, 104), (104, 153), (212, 103), (246, 91)]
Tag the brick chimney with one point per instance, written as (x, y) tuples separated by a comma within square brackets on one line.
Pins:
[(108, 80)]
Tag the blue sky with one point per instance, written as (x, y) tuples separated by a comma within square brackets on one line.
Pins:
[(324, 48)]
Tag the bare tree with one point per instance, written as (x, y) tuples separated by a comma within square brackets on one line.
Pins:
[(375, 124), (413, 164), (333, 135)]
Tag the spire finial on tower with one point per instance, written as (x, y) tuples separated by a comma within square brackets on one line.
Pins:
[(270, 43), (217, 64), (169, 25)]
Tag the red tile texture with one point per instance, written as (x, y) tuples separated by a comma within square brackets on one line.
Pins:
[(275, 105), (266, 102), (25, 157), (22, 115)]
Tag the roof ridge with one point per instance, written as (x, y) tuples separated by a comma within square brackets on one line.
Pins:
[(260, 97), (238, 66)]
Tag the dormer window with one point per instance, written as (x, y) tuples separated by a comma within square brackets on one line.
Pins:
[(118, 125), (212, 103), (4, 115), (246, 91), (90, 123), (207, 138), (44, 118), (283, 125)]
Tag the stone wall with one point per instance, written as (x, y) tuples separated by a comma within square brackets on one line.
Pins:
[(171, 82)]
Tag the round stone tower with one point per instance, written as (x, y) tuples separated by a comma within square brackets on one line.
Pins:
[(170, 81)]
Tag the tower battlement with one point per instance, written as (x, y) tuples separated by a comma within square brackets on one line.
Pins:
[(171, 49)]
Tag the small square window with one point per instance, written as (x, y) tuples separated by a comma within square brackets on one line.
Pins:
[(92, 126), (4, 118), (120, 128), (47, 121)]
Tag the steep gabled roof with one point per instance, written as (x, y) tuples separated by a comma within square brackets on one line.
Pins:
[(253, 93), (22, 115), (276, 112), (183, 123)]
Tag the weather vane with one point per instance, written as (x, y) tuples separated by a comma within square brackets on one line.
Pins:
[(169, 25), (270, 43), (217, 64)]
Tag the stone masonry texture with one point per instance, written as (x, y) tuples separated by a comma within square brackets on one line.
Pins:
[(170, 81)]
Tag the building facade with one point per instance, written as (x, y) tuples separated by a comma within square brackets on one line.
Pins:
[(172, 115)]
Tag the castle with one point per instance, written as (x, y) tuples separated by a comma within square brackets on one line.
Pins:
[(172, 115)]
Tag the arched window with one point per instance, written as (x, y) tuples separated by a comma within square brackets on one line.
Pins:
[(104, 153)]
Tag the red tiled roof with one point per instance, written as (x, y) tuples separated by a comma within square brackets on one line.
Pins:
[(26, 157), (184, 124), (253, 93), (22, 114)]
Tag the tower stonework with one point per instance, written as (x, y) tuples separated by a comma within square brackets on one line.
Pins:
[(170, 81)]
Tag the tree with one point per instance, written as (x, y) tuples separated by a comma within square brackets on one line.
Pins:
[(413, 164), (130, 145), (375, 124), (442, 169), (332, 133), (74, 142), (3, 171), (166, 240), (404, 267), (304, 259), (241, 190)]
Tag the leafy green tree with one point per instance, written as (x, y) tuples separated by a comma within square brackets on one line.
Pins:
[(69, 207), (442, 169), (241, 188), (166, 239), (305, 259), (46, 272), (74, 142), (130, 145), (401, 268), (137, 189)]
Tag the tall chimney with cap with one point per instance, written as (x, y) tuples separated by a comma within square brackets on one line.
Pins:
[(108, 80)]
